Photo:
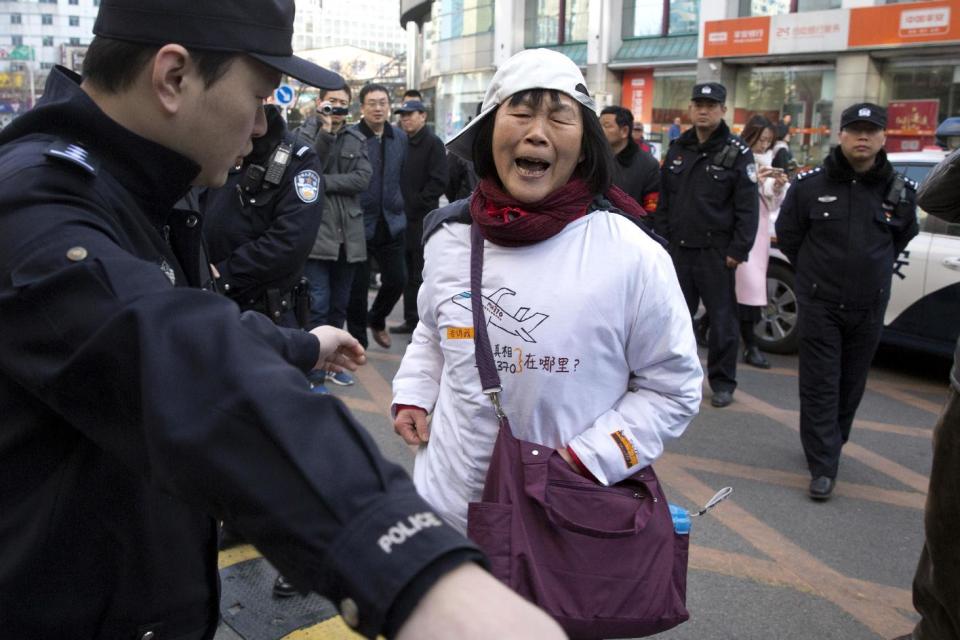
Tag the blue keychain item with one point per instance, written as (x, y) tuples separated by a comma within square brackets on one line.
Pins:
[(681, 517)]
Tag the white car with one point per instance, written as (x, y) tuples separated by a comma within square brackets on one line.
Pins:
[(924, 309)]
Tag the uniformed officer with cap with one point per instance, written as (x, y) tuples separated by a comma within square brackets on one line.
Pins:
[(708, 211), (842, 226), (139, 409), (260, 225)]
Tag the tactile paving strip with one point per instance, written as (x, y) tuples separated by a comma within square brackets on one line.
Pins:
[(248, 606)]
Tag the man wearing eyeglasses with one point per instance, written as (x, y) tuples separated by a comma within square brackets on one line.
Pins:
[(384, 219)]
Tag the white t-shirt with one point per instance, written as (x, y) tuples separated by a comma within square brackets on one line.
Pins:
[(592, 341)]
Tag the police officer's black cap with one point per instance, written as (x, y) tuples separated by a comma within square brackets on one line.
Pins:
[(864, 112), (262, 29), (709, 91)]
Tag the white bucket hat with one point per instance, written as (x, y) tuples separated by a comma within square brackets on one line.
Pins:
[(528, 69)]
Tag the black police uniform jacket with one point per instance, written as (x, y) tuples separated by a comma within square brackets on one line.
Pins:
[(423, 179), (842, 235), (704, 203), (260, 241), (137, 410)]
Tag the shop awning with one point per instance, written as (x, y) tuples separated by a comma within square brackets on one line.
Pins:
[(663, 49), (576, 52)]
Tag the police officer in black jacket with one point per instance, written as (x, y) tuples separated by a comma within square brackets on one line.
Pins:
[(842, 225), (260, 225), (708, 212), (138, 409)]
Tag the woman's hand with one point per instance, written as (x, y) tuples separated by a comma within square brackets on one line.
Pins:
[(411, 425), (339, 351)]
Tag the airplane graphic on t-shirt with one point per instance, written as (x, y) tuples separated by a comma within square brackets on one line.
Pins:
[(520, 324)]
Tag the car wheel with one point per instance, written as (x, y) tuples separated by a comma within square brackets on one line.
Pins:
[(777, 329)]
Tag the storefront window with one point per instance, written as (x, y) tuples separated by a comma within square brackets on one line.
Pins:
[(764, 7), (576, 21), (919, 97), (460, 18), (818, 5), (671, 97), (806, 93), (457, 98)]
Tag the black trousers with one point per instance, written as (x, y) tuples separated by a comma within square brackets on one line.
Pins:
[(388, 251), (836, 348), (414, 259), (936, 586), (703, 275)]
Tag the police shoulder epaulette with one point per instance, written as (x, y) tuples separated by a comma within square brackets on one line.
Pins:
[(913, 184), (738, 143), (302, 150), (74, 154), (811, 172)]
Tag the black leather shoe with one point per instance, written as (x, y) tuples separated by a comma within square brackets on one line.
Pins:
[(754, 358), (821, 487), (282, 588), (403, 328), (721, 399)]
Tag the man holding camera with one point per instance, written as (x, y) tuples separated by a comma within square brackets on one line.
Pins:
[(340, 243)]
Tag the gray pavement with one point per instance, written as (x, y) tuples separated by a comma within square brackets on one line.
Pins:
[(769, 562)]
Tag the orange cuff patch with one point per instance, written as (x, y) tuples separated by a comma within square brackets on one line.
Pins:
[(626, 448)]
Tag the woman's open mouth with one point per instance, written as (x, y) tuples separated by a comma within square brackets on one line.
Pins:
[(531, 167)]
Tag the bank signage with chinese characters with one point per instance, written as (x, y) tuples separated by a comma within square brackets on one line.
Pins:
[(835, 30), (809, 31)]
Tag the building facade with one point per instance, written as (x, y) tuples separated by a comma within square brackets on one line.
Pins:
[(806, 58), (35, 35)]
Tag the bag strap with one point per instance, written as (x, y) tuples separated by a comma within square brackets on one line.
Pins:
[(483, 353)]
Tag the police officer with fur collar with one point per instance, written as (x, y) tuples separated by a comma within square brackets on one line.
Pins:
[(708, 211), (842, 226), (260, 225)]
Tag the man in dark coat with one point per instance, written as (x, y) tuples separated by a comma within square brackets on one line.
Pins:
[(842, 227), (139, 409), (638, 172), (383, 217), (422, 183), (708, 211)]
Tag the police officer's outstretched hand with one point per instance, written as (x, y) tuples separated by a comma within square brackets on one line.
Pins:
[(339, 350), (470, 604)]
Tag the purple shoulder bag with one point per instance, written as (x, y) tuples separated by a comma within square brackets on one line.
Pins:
[(603, 561)]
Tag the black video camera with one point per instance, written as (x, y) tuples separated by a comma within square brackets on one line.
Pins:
[(328, 109)]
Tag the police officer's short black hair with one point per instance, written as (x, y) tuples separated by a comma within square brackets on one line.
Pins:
[(412, 94), (597, 165), (624, 116), (370, 88), (346, 87), (113, 65)]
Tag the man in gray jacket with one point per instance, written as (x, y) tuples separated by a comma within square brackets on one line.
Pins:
[(341, 242)]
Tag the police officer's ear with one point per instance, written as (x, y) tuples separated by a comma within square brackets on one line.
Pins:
[(172, 73)]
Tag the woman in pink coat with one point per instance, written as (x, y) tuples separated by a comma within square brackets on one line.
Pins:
[(751, 276)]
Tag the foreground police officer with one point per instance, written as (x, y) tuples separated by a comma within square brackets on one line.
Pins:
[(842, 225), (137, 410), (260, 225), (708, 212)]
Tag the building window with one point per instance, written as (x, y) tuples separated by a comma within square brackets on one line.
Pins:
[(74, 21), (48, 1), (73, 1), (75, 42), (48, 41), (643, 18), (553, 22), (16, 18), (459, 18), (16, 41), (46, 18), (46, 66)]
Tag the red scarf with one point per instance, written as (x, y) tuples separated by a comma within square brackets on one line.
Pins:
[(511, 223)]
